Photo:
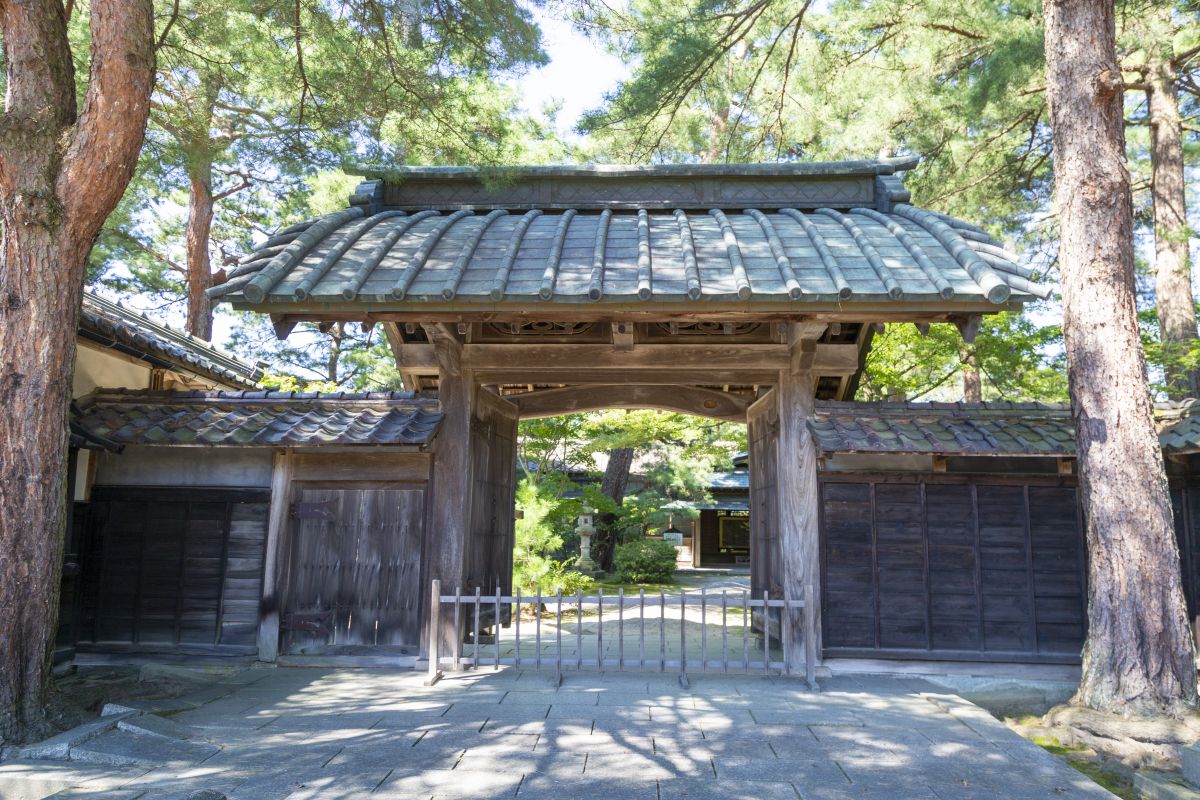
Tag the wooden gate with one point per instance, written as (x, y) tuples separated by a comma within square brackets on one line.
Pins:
[(354, 570)]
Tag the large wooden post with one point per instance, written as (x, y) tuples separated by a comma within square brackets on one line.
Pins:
[(449, 513), (797, 491), (275, 557)]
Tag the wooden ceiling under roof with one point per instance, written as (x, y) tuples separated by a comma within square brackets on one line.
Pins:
[(582, 284)]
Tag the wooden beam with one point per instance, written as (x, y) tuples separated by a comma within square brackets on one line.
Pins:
[(622, 335), (688, 400), (650, 357), (968, 326), (939, 463), (591, 376), (283, 326), (637, 311), (448, 347), (273, 578)]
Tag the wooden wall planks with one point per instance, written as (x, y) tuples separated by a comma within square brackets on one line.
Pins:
[(171, 568), (952, 567)]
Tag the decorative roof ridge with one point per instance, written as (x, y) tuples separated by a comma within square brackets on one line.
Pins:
[(508, 173), (220, 357), (168, 396)]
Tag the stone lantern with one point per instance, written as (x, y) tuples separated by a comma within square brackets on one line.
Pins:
[(586, 530)]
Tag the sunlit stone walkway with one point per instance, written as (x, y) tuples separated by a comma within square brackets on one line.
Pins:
[(305, 733)]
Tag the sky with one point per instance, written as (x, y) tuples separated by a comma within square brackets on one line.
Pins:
[(578, 75)]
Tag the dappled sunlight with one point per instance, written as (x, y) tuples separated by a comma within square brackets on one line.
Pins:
[(487, 733)]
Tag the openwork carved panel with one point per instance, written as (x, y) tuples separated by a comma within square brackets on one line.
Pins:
[(709, 328), (542, 328)]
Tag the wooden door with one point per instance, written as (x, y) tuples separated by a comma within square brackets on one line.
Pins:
[(354, 570), (952, 567), (173, 568)]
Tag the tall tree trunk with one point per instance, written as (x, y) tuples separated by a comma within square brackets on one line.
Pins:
[(1138, 657), (971, 381), (612, 486), (1172, 266), (61, 173), (336, 334), (199, 267)]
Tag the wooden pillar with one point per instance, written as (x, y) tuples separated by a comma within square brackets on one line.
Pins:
[(798, 495), (449, 501), (274, 561)]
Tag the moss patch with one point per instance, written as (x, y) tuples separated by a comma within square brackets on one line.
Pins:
[(1085, 762)]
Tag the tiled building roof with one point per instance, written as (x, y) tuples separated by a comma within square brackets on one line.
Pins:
[(1179, 426), (984, 429), (112, 325), (737, 235), (257, 419), (991, 429)]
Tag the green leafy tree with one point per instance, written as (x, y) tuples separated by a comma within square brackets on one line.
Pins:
[(1010, 359)]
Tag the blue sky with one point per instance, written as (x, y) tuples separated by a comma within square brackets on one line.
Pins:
[(578, 75)]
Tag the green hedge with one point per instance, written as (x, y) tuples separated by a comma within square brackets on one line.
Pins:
[(645, 561)]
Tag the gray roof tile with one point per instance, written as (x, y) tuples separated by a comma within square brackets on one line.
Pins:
[(984, 429), (257, 419), (742, 234), (111, 324)]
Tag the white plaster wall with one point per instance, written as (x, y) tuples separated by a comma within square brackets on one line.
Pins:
[(97, 368), (240, 467)]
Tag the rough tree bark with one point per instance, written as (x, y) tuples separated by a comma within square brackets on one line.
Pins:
[(613, 486), (1172, 267), (972, 383), (1138, 658), (199, 266), (62, 170)]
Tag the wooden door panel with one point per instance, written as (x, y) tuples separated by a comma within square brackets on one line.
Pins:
[(952, 567), (355, 555)]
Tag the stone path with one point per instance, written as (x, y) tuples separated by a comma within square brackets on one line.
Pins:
[(351, 734)]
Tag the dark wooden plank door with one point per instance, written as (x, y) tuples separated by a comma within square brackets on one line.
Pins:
[(355, 553), (173, 568), (952, 568)]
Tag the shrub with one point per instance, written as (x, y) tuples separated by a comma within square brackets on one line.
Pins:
[(645, 561)]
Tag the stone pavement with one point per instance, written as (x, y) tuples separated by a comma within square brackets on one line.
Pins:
[(269, 734)]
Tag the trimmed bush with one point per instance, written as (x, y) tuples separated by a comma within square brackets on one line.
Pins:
[(645, 561)]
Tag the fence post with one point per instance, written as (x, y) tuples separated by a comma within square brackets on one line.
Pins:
[(435, 619), (683, 678), (810, 641)]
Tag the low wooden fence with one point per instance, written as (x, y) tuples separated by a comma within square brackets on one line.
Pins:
[(727, 632)]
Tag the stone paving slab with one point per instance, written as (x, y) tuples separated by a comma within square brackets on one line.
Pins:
[(695, 789), (375, 734), (125, 749)]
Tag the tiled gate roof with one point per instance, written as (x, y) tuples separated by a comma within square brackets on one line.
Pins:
[(745, 236)]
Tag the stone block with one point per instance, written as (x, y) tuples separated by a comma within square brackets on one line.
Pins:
[(59, 747), (123, 749), (154, 725), (1162, 786), (685, 789), (551, 787)]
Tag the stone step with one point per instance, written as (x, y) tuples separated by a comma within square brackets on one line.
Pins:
[(125, 749), (59, 747), (154, 725)]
